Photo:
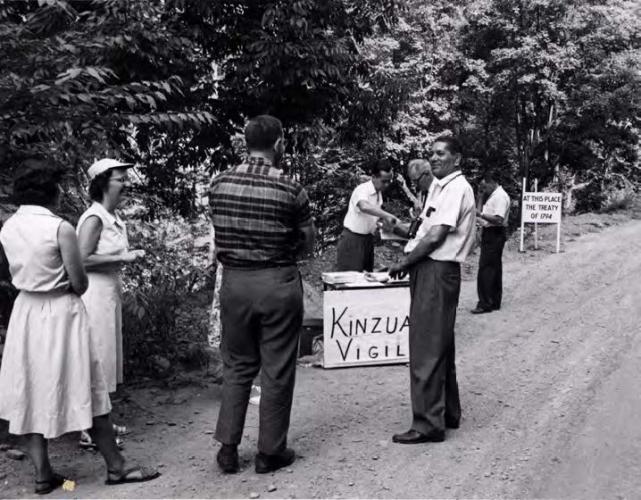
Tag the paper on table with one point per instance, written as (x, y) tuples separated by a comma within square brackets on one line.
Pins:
[(341, 277), (347, 279), (386, 235)]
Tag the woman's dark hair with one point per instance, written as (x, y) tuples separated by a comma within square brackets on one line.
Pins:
[(35, 182), (98, 185)]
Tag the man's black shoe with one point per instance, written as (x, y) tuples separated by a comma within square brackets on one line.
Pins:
[(269, 463), (227, 458), (480, 310), (415, 437), (450, 423)]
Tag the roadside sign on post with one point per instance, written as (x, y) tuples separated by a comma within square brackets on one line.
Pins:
[(541, 208)]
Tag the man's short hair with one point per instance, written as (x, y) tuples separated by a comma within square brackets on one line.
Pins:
[(452, 143), (490, 177), (261, 132), (375, 167)]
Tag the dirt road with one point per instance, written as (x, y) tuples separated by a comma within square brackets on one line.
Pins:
[(549, 389)]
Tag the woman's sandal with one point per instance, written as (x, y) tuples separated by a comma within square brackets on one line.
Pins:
[(48, 485), (86, 442), (132, 475), (120, 430)]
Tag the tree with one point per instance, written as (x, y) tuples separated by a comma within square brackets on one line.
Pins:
[(541, 101), (168, 83), (85, 79)]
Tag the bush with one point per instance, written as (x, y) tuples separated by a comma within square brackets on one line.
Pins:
[(330, 186), (618, 198), (606, 194), (166, 297)]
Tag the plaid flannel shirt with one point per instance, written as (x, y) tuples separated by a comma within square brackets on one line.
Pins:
[(257, 213)]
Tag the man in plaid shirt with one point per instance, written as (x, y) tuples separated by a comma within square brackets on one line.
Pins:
[(263, 224)]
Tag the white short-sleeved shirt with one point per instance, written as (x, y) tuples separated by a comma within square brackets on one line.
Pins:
[(497, 204), (113, 237), (356, 220), (450, 202)]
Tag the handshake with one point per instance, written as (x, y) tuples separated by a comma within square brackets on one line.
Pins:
[(388, 223), (402, 230)]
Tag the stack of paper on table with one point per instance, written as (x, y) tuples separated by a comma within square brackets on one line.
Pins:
[(342, 277), (389, 236), (353, 278)]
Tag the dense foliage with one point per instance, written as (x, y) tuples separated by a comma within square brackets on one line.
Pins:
[(556, 89), (166, 294), (540, 89)]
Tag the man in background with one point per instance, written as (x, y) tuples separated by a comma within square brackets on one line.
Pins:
[(493, 219), (433, 260), (420, 175), (263, 223), (355, 249)]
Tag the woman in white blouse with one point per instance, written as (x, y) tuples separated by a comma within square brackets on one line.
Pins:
[(104, 248)]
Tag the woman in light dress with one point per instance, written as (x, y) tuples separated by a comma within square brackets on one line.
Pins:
[(51, 380), (104, 248)]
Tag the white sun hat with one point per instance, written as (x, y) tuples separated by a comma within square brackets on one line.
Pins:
[(105, 164)]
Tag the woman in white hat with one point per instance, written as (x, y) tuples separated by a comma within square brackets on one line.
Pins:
[(104, 248)]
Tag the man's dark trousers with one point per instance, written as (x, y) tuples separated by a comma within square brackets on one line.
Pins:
[(434, 289), (489, 283), (355, 252), (261, 317)]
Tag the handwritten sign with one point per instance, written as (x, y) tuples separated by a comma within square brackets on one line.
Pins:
[(366, 327), (542, 208)]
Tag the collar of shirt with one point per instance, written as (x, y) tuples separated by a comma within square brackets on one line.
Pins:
[(371, 189), (112, 218), (35, 210), (259, 161), (436, 187), (495, 191), (447, 179)]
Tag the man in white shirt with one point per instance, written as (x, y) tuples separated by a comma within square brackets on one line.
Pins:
[(355, 250), (493, 219), (433, 259)]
